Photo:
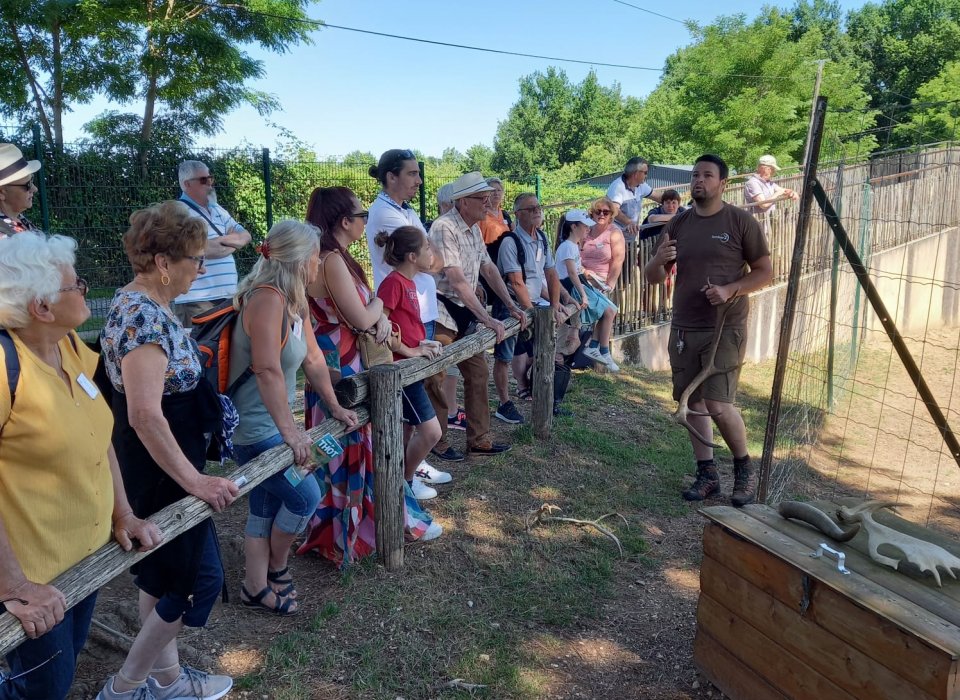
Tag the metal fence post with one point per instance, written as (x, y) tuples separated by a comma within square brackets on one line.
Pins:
[(423, 194), (42, 180), (268, 187), (536, 185)]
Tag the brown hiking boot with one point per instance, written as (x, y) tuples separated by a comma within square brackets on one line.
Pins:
[(707, 484), (744, 485)]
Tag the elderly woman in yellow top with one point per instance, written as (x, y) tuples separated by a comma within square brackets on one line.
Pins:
[(61, 494)]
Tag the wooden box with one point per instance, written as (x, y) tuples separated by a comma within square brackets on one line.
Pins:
[(773, 622)]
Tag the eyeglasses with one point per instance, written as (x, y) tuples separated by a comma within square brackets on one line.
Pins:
[(479, 197), (601, 212), (360, 215), (533, 208), (205, 180), (199, 259), (81, 286), (24, 185)]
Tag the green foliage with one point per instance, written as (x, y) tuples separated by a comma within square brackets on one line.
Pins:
[(938, 115)]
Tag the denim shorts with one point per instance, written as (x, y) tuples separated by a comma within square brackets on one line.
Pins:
[(276, 501), (417, 408), (429, 327)]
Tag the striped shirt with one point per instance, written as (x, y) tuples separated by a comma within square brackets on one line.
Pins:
[(220, 279)]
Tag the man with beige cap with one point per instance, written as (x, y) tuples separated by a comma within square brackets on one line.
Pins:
[(457, 236), (762, 192), (16, 190)]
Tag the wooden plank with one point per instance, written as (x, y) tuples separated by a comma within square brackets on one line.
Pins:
[(929, 616), (925, 595), (846, 666), (763, 655), (926, 665), (728, 673)]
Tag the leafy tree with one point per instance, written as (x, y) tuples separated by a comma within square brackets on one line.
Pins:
[(904, 43), (478, 157), (937, 113), (728, 110)]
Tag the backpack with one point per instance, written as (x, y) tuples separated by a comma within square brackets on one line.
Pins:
[(213, 333), (12, 361), (493, 250)]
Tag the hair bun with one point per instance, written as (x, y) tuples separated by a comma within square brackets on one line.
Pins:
[(381, 239), (372, 172)]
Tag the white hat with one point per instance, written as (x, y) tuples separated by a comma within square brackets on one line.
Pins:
[(13, 166), (768, 160), (580, 216), (468, 184)]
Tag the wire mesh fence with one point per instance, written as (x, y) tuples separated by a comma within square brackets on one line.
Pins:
[(853, 421)]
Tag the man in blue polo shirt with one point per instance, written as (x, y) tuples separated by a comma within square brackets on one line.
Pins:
[(224, 237)]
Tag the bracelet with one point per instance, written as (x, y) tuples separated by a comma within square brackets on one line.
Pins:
[(121, 516)]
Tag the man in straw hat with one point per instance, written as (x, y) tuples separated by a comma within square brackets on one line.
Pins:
[(16, 190), (457, 236)]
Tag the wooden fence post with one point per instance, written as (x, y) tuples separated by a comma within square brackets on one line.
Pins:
[(544, 350), (387, 425)]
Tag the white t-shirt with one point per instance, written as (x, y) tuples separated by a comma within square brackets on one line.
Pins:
[(386, 215), (568, 250), (630, 201)]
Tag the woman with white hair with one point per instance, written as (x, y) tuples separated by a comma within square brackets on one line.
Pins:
[(270, 338), (61, 494), (16, 190)]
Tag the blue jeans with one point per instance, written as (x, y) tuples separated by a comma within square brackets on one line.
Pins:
[(60, 648), (276, 501)]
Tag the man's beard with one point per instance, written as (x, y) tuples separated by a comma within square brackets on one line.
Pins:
[(212, 197)]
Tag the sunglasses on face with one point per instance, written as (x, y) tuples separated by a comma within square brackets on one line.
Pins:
[(479, 197), (531, 209), (359, 215), (601, 212), (81, 286), (205, 180), (24, 185)]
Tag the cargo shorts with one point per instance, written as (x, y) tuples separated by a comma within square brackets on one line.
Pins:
[(686, 364)]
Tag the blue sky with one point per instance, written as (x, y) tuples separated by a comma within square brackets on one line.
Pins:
[(350, 91)]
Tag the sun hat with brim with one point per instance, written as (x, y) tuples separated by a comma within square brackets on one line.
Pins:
[(580, 216), (471, 183), (13, 166), (770, 161)]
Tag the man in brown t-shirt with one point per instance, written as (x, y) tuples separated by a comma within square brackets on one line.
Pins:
[(720, 253)]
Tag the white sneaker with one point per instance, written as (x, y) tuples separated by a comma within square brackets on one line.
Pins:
[(421, 491), (594, 354), (431, 475), (433, 532), (611, 365)]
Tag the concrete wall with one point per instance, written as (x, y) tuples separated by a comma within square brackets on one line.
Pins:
[(919, 283)]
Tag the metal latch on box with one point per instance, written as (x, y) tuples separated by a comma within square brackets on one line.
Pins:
[(824, 548)]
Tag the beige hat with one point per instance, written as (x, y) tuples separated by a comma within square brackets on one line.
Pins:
[(13, 166), (470, 183), (768, 160)]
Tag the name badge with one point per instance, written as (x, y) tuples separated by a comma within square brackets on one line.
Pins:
[(298, 328), (88, 386)]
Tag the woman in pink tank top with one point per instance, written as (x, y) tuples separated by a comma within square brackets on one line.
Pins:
[(604, 248)]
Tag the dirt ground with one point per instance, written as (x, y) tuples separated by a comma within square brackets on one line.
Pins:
[(636, 643)]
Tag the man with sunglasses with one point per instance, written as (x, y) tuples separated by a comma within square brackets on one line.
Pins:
[(628, 191), (224, 237), (16, 190)]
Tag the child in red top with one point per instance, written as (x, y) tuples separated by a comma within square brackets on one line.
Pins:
[(407, 251)]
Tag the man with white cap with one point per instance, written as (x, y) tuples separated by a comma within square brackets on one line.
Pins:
[(761, 191), (16, 190), (457, 236)]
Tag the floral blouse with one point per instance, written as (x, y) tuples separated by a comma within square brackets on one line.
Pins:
[(135, 319)]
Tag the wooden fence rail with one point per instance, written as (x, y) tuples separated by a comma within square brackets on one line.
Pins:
[(380, 392)]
